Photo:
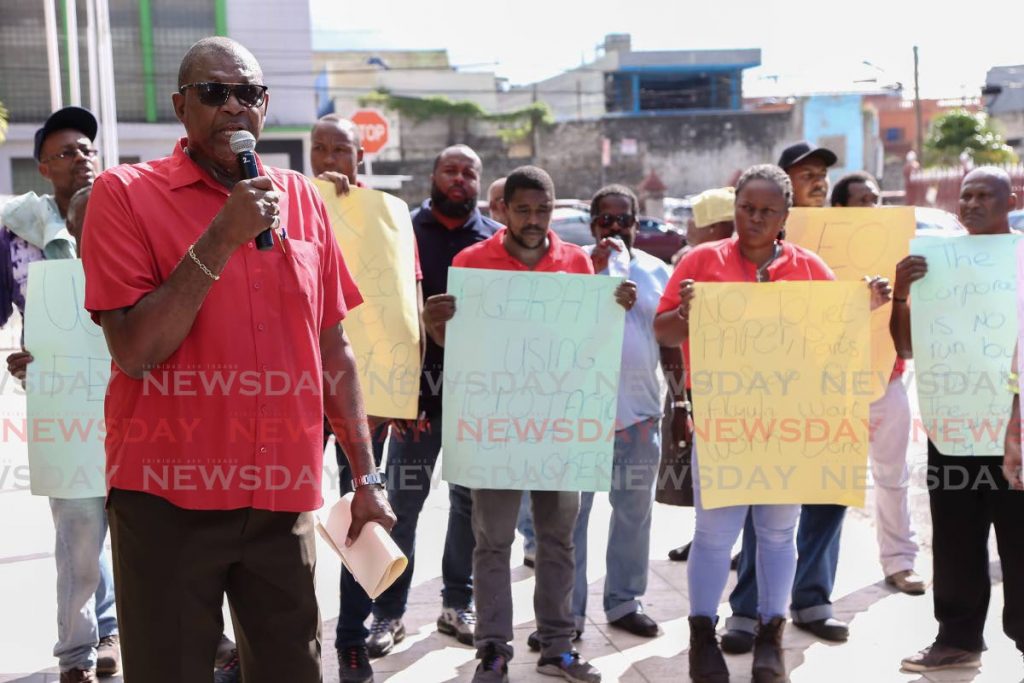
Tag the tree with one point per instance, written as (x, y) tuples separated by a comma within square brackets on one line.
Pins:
[(961, 131), (513, 126)]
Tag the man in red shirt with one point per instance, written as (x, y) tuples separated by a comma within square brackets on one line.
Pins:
[(225, 359), (526, 244)]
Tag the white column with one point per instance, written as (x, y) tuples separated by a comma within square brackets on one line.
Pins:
[(52, 54)]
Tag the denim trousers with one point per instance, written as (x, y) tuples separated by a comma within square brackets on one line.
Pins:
[(717, 531), (85, 581), (410, 467), (635, 467)]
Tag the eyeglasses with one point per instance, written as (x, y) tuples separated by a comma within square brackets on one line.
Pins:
[(71, 153), (216, 94), (607, 220)]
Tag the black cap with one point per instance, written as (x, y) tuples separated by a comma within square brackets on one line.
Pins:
[(75, 118), (801, 151)]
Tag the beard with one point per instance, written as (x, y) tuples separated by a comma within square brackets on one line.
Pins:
[(450, 207)]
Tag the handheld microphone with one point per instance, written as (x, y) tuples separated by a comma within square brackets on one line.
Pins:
[(243, 143)]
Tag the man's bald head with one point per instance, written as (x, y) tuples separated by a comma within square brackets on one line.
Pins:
[(335, 146), (339, 122), (460, 151), (986, 199), (455, 182), (496, 201), (219, 46)]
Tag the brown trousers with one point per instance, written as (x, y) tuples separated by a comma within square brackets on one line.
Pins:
[(172, 568)]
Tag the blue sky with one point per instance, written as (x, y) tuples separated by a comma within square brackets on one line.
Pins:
[(806, 46)]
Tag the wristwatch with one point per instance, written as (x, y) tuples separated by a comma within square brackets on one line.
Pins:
[(371, 479)]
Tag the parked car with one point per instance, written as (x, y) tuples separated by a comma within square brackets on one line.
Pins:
[(572, 225), (1017, 219), (655, 236), (936, 223)]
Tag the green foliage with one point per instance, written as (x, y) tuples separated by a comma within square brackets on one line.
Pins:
[(958, 131), (513, 126), (3, 122)]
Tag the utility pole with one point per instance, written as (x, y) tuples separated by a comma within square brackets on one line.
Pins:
[(917, 111)]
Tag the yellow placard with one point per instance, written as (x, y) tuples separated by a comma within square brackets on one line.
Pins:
[(858, 242), (781, 389), (376, 238)]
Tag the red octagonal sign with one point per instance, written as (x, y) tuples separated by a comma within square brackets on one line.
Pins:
[(373, 129)]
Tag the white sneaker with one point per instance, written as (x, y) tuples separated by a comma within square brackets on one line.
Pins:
[(459, 623)]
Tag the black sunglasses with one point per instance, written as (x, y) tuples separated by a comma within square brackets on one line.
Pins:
[(607, 220), (216, 94)]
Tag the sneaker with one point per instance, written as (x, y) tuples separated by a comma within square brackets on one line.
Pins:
[(493, 666), (458, 622), (533, 640), (906, 582), (354, 665), (384, 635), (570, 666), (108, 656), (78, 676), (937, 657), (230, 671)]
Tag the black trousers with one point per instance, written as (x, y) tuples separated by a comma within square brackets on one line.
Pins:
[(172, 568), (968, 495)]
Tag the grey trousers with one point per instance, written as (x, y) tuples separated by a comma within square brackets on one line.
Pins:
[(494, 525)]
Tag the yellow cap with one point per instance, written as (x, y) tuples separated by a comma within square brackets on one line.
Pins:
[(714, 206)]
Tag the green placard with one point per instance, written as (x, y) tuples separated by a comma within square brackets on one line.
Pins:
[(531, 380), (964, 325), (65, 384)]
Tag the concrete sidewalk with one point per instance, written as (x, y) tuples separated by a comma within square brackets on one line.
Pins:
[(885, 626)]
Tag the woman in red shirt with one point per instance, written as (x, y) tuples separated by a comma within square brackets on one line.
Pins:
[(756, 253)]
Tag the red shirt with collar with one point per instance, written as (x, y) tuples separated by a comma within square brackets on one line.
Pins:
[(722, 261), (491, 254), (233, 418)]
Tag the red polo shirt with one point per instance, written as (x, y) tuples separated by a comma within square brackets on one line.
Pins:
[(722, 261), (491, 254), (233, 418)]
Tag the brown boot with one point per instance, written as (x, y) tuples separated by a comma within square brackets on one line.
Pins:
[(707, 665), (769, 665), (78, 676)]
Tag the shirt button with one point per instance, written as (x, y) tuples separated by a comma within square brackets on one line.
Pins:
[(261, 327), (264, 408), (263, 450), (257, 285), (251, 245)]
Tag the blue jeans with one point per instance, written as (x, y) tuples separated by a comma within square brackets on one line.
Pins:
[(85, 581), (410, 465), (817, 548), (716, 532), (524, 524), (635, 468)]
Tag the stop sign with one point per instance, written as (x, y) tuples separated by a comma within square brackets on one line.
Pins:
[(373, 129)]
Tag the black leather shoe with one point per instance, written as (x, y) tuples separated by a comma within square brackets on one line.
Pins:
[(637, 623), (829, 629), (680, 554), (737, 642)]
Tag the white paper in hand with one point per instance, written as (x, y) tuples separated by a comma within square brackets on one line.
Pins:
[(374, 559)]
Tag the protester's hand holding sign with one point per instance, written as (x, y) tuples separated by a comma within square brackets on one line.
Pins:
[(437, 310), (625, 294), (881, 291), (342, 186), (17, 365)]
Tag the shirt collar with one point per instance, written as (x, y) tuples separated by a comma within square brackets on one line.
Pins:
[(785, 255), (184, 171), (556, 247)]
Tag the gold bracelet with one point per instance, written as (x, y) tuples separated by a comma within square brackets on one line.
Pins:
[(192, 254)]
